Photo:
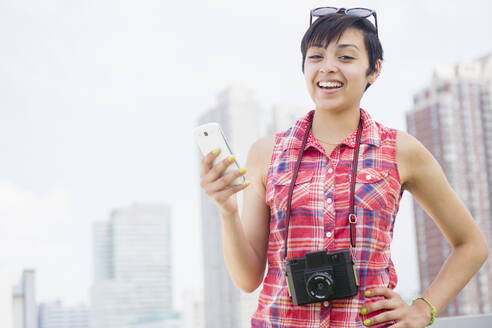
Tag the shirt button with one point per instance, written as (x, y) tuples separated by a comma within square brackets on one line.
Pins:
[(368, 177), (326, 303), (330, 170), (329, 200), (328, 234)]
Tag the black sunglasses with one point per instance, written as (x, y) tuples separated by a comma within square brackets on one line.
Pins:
[(359, 12)]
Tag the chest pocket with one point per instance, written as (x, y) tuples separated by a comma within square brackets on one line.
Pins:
[(301, 195), (372, 189)]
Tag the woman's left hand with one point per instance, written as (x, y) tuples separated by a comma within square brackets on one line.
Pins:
[(417, 315)]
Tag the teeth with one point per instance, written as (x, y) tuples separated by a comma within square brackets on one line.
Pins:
[(330, 84)]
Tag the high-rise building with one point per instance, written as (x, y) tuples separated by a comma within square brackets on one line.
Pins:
[(453, 119), (132, 269), (225, 306), (55, 315), (24, 302)]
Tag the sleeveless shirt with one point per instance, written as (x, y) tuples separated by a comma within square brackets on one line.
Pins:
[(319, 220)]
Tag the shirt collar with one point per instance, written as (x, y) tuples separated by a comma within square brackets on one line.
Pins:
[(370, 133)]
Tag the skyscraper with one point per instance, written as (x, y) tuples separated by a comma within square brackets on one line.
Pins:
[(55, 315), (453, 119), (225, 306), (132, 269), (24, 301)]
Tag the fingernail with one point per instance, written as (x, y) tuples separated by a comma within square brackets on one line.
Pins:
[(248, 183), (216, 151), (367, 293), (363, 311), (242, 171), (231, 158), (367, 322)]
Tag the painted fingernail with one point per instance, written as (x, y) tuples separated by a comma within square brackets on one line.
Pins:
[(367, 293), (231, 158), (216, 151), (242, 171), (367, 322), (248, 183), (363, 311)]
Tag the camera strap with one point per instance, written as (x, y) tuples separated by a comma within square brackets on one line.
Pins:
[(352, 216)]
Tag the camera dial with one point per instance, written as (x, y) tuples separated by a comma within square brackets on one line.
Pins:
[(320, 285)]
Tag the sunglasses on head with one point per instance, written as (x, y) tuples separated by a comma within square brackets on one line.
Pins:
[(359, 12)]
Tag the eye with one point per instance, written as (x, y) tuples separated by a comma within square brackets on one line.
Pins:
[(346, 57), (315, 56)]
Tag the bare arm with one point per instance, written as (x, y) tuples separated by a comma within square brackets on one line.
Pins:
[(429, 186), (424, 179), (244, 240)]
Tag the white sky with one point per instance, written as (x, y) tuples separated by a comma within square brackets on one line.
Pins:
[(99, 99)]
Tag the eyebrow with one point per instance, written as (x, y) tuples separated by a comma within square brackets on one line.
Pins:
[(340, 46), (346, 45)]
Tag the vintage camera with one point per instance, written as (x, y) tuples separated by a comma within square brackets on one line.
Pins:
[(321, 276)]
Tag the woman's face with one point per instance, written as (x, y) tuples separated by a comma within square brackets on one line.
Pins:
[(343, 65)]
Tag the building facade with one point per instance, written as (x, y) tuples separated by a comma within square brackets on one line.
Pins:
[(55, 315), (24, 302), (452, 118), (132, 284)]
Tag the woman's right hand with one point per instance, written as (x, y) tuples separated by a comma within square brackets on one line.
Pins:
[(216, 187)]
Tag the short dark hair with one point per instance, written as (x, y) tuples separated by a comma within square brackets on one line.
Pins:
[(331, 26)]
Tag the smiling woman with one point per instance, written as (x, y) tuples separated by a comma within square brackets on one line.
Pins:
[(319, 36), (324, 196), (349, 59)]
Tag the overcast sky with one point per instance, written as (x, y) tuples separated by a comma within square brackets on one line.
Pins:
[(99, 99)]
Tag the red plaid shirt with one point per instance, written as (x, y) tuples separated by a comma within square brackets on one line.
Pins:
[(319, 220)]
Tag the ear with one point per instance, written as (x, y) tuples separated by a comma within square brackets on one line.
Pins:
[(374, 75)]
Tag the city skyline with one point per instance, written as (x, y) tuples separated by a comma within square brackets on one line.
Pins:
[(229, 98), (100, 102), (132, 285)]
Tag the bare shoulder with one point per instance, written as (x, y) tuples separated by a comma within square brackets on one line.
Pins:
[(264, 145), (259, 157), (428, 184), (411, 155), (403, 141)]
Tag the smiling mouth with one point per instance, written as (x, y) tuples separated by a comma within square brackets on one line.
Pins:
[(329, 85)]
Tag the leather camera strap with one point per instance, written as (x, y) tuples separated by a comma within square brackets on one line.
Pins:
[(352, 216)]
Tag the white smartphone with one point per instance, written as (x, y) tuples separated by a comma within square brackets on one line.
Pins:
[(210, 137)]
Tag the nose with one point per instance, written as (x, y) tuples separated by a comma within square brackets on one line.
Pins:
[(329, 66)]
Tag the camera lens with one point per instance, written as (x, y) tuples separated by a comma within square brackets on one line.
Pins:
[(320, 286)]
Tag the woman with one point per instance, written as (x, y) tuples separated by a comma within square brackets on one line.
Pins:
[(344, 195)]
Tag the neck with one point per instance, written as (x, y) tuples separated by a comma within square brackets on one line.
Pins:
[(334, 127)]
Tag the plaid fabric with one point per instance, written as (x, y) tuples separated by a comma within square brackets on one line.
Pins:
[(319, 220)]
